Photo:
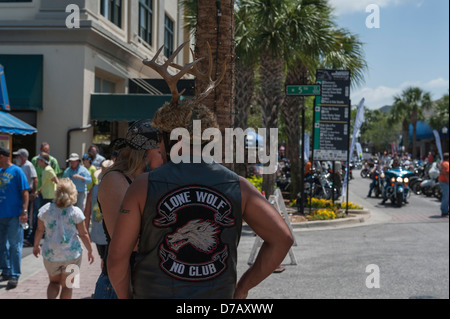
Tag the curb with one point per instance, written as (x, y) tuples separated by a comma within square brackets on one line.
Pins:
[(354, 217)]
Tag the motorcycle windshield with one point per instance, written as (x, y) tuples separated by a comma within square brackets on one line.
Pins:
[(398, 172)]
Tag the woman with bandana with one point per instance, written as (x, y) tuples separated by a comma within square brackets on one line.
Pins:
[(138, 152)]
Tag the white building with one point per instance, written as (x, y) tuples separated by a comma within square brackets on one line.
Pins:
[(55, 69)]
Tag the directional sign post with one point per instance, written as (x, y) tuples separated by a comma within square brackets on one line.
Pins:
[(303, 90), (332, 116)]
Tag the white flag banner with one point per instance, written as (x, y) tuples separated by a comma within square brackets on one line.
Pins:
[(359, 150), (438, 143), (359, 120)]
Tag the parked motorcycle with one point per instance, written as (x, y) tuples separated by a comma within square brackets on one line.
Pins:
[(396, 185), (428, 186), (319, 185)]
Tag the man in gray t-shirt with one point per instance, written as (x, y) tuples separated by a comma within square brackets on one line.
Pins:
[(21, 159)]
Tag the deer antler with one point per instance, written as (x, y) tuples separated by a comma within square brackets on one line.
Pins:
[(171, 80), (204, 76)]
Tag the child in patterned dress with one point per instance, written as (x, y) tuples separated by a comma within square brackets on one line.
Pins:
[(64, 225)]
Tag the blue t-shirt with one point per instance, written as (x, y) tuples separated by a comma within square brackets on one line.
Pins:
[(12, 182), (79, 184)]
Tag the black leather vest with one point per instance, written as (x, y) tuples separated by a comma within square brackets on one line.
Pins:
[(190, 230)]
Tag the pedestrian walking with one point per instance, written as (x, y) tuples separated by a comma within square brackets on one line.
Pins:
[(21, 159), (443, 183), (63, 224), (97, 159), (49, 179), (13, 212), (87, 162), (37, 203), (138, 152), (94, 218), (80, 176), (53, 162)]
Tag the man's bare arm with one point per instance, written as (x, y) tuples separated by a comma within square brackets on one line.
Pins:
[(262, 217)]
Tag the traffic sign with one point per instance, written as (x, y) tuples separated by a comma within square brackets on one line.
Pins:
[(304, 90)]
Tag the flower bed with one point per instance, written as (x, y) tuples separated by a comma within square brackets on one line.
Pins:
[(323, 209)]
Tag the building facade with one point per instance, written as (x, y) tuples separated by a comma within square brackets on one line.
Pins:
[(69, 64)]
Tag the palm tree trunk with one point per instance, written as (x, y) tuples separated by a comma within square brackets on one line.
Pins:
[(414, 141), (291, 115), (414, 117), (271, 97), (405, 130), (245, 86), (215, 24)]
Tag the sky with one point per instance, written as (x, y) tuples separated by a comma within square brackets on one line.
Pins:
[(410, 47)]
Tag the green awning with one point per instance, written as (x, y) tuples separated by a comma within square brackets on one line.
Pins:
[(126, 107), (24, 80)]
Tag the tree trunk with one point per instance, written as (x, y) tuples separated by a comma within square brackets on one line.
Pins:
[(245, 86), (270, 98), (215, 24), (414, 117), (405, 130), (291, 114)]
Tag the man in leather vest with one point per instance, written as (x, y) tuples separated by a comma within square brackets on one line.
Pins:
[(187, 218)]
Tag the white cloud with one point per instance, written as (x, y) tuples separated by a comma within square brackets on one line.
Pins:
[(382, 95), (375, 97), (351, 6)]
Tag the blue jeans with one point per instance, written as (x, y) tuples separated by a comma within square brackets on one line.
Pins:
[(11, 243), (444, 201), (104, 289), (36, 205)]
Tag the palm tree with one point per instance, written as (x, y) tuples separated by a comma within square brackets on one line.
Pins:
[(281, 28), (408, 108), (297, 35)]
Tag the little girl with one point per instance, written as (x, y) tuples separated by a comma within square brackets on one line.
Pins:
[(63, 223)]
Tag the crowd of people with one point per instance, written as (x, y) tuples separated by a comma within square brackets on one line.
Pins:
[(137, 209), (386, 161), (41, 192)]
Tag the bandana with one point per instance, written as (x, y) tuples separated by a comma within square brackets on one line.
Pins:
[(141, 136)]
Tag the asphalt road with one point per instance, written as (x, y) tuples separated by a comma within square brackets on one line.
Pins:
[(399, 253)]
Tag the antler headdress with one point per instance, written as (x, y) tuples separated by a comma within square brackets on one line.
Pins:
[(178, 113), (190, 68)]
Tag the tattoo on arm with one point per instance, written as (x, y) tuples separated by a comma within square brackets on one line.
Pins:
[(124, 211)]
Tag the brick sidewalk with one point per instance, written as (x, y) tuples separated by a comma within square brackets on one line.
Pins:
[(35, 286)]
